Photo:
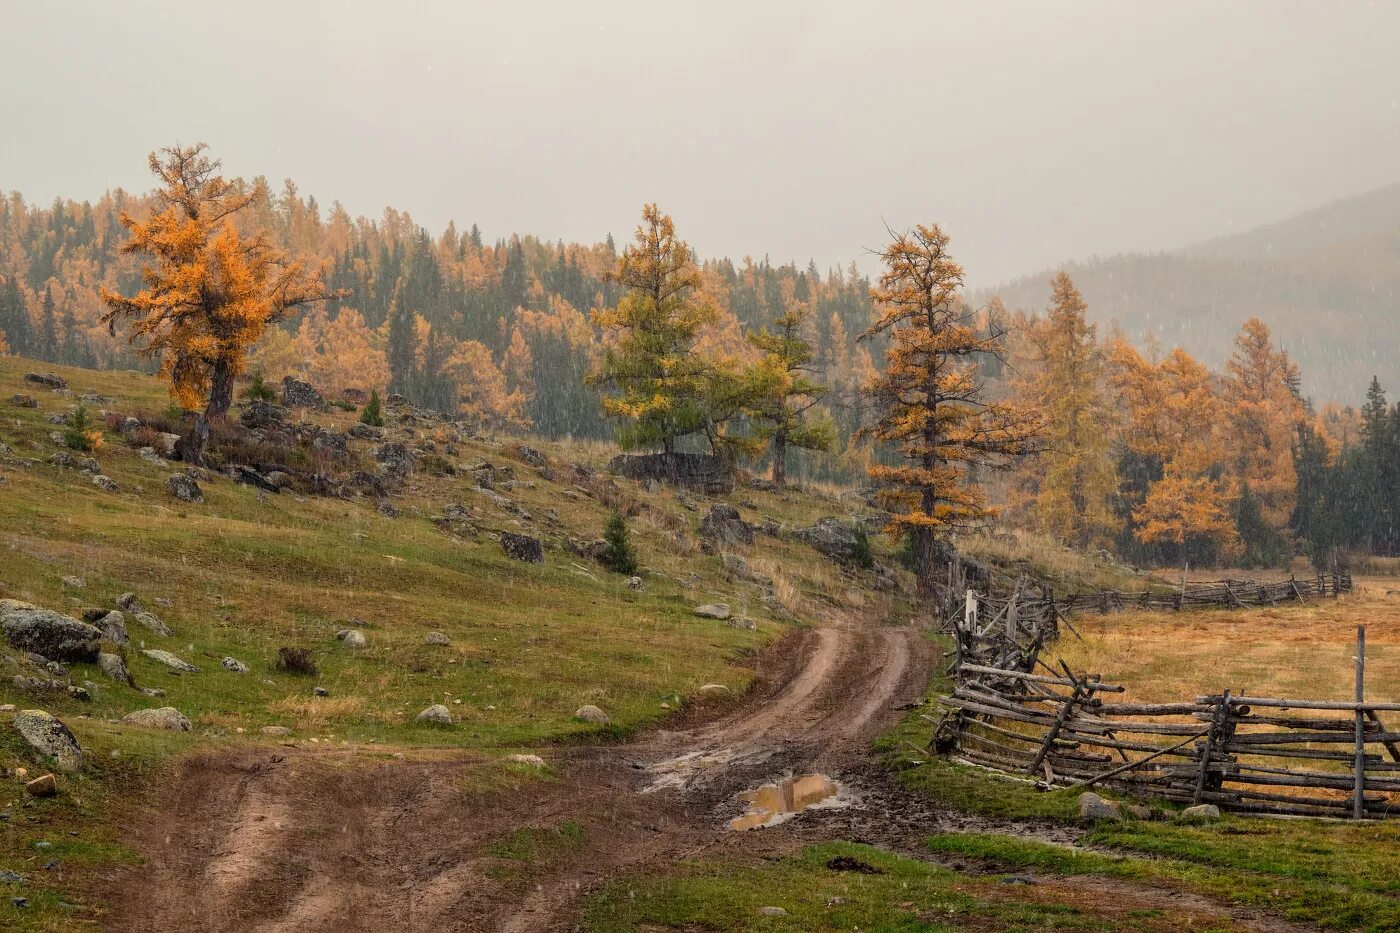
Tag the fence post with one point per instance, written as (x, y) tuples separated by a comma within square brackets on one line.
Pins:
[(1358, 803), (1216, 723)]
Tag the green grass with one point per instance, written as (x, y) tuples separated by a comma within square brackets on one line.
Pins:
[(1332, 874), (902, 894)]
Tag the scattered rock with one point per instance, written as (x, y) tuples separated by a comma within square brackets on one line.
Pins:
[(394, 459), (704, 472), (166, 717), (166, 442), (522, 547), (261, 415), (299, 394), (50, 737), (52, 634), (63, 459), (154, 693), (183, 488), (174, 662), (128, 602), (105, 483), (24, 401), (1094, 807), (722, 525), (320, 692), (331, 441), (352, 638), (436, 713), (43, 786), (436, 638), (531, 456), (592, 714), (742, 622), (73, 583), (634, 583), (366, 432), (533, 761), (275, 730), (772, 912), (153, 623), (149, 455), (47, 380), (832, 538), (712, 689), (233, 665), (1205, 813), (114, 667), (719, 611)]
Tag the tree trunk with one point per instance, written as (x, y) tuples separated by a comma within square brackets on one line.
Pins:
[(673, 473), (190, 447), (780, 459), (923, 560), (220, 391)]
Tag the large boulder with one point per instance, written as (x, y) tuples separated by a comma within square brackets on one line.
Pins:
[(166, 717), (299, 394), (1093, 807), (47, 380), (261, 415), (722, 525), (394, 459), (184, 488), (52, 634), (592, 714), (719, 611), (49, 737), (706, 472), (113, 627), (437, 713), (522, 547), (114, 667), (833, 538)]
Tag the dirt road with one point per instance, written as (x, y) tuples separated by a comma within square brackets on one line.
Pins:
[(298, 839)]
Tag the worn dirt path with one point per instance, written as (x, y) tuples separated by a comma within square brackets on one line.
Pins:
[(298, 839)]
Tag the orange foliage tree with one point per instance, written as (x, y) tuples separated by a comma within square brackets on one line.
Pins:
[(929, 400), (1263, 407), (212, 290)]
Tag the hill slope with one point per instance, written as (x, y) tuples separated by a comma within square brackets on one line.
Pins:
[(1326, 281)]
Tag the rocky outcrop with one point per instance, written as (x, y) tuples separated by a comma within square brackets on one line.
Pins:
[(166, 717), (394, 459), (299, 394), (172, 661), (47, 380), (719, 611), (184, 488), (592, 714), (48, 633), (705, 472), (522, 547), (48, 736), (437, 713), (833, 538), (722, 525), (261, 415)]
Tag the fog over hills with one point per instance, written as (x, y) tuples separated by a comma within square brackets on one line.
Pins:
[(1326, 281)]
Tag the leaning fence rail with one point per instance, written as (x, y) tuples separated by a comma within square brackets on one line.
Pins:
[(1012, 711)]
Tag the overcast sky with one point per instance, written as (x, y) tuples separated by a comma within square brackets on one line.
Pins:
[(1034, 132)]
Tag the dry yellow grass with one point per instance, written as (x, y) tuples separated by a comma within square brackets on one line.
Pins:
[(1293, 650)]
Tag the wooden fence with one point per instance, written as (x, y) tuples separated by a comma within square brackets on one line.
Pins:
[(1012, 711)]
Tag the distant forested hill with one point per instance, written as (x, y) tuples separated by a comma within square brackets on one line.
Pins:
[(1327, 282)]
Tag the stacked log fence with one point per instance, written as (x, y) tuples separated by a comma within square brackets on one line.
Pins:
[(1012, 711)]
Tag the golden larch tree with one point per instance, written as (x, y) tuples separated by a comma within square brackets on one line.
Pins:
[(1073, 484), (929, 400), (211, 290), (1264, 408)]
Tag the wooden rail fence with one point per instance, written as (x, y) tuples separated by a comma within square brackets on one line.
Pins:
[(1011, 711)]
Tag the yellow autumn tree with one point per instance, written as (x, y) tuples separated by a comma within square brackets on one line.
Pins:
[(1263, 409), (343, 353), (481, 387), (1173, 425), (929, 401), (209, 291), (1073, 484)]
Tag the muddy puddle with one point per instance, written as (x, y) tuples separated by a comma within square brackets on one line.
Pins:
[(773, 803)]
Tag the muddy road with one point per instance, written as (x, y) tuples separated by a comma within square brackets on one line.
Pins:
[(299, 839)]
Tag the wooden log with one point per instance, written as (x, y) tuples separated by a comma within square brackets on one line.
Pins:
[(1035, 678), (1134, 765), (1359, 766), (1305, 704), (1391, 747), (1222, 712), (1060, 717), (1303, 738)]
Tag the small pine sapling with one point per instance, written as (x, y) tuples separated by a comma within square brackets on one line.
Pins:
[(81, 434), (258, 390), (373, 415), (619, 555)]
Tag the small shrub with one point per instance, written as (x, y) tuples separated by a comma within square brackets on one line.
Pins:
[(296, 661), (862, 555), (373, 415), (258, 390), (174, 417), (82, 433), (343, 405), (619, 555)]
